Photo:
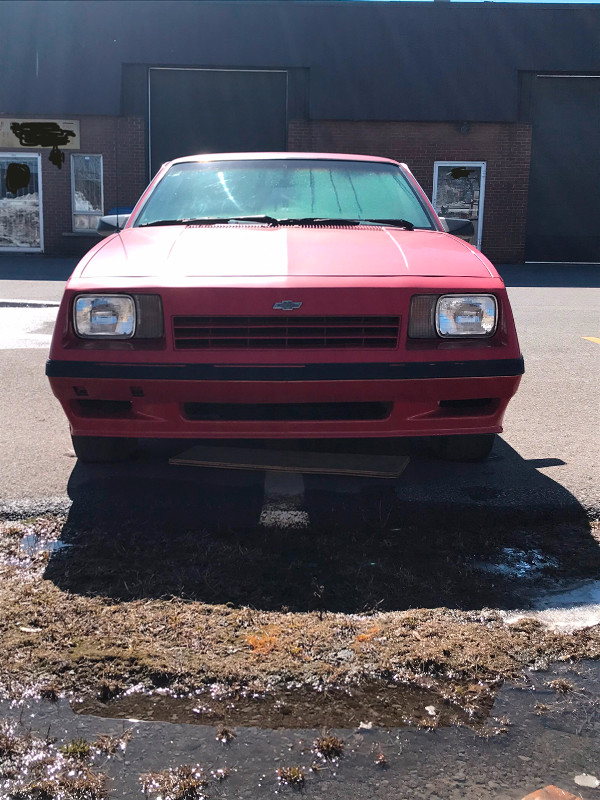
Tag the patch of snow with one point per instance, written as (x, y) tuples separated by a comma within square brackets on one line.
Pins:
[(26, 328), (83, 204), (565, 611)]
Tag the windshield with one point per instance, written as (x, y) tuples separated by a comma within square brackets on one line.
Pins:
[(285, 189)]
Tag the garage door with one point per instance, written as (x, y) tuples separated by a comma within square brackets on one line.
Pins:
[(564, 199), (215, 111)]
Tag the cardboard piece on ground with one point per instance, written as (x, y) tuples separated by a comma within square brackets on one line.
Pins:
[(550, 793), (366, 465)]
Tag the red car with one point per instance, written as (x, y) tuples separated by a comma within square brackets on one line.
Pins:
[(284, 295)]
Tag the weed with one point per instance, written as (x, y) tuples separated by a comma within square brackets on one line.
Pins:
[(291, 776), (225, 735), (181, 783), (11, 744), (560, 685), (77, 748), (220, 774), (108, 745), (328, 747)]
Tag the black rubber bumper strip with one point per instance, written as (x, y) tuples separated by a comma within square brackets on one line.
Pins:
[(489, 368)]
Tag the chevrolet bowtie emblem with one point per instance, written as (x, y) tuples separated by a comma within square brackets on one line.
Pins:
[(286, 305)]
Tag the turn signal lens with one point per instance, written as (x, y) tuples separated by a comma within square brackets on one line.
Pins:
[(421, 320)]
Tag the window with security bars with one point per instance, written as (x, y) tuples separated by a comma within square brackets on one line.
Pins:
[(86, 191)]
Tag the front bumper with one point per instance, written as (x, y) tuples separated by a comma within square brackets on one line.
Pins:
[(154, 400)]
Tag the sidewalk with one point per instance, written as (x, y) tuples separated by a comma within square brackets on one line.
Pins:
[(33, 277)]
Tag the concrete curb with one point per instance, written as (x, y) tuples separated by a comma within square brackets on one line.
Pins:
[(29, 303)]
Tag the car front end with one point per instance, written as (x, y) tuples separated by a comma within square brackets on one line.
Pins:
[(253, 329)]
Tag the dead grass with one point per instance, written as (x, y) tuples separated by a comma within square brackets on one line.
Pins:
[(181, 783), (36, 769), (83, 784), (109, 745), (261, 644), (70, 625)]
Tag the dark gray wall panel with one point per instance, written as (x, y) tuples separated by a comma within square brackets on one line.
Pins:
[(564, 193), (420, 61), (212, 111)]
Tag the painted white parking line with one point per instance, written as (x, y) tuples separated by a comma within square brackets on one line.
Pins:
[(284, 495), (26, 328), (13, 303)]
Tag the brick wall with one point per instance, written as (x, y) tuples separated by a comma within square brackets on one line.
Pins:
[(121, 142), (505, 147)]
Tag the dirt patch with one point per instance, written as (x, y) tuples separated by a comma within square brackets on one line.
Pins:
[(119, 610)]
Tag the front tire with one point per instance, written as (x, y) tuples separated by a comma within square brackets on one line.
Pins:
[(103, 449), (469, 448)]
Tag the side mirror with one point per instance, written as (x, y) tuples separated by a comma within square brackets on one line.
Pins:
[(111, 224), (463, 228)]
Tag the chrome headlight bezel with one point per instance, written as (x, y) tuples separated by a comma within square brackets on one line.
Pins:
[(126, 317), (487, 319)]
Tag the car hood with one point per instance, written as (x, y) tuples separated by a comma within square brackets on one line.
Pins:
[(245, 251)]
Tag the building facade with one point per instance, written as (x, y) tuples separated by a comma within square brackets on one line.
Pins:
[(494, 107)]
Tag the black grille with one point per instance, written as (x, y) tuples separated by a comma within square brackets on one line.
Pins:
[(285, 332), (102, 409), (288, 412)]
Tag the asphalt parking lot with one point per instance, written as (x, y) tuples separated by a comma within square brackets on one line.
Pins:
[(547, 457)]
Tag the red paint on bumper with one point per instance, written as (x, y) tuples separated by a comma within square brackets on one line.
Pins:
[(159, 413)]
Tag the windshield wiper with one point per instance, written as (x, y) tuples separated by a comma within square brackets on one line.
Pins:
[(264, 218), (396, 223), (274, 221)]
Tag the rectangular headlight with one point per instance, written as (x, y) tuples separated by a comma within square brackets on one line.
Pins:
[(97, 316), (466, 315)]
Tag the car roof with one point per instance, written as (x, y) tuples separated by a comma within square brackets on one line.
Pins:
[(287, 156)]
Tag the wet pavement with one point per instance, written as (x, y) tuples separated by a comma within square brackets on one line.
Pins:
[(544, 730)]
